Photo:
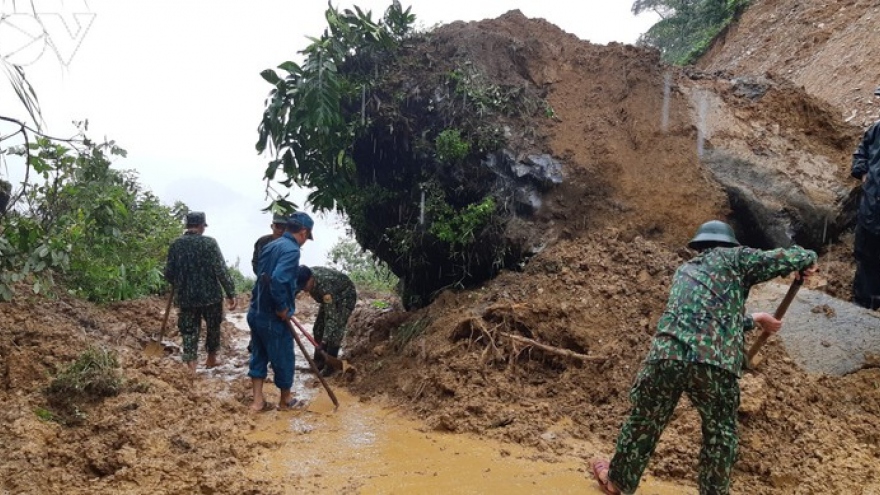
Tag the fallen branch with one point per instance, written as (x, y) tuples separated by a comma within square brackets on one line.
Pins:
[(553, 350)]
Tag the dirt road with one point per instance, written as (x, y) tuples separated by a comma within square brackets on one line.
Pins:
[(367, 447)]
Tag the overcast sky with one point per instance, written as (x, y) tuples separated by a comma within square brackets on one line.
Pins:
[(177, 84)]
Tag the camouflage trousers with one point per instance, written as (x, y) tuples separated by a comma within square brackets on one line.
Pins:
[(714, 393), (329, 330), (189, 322)]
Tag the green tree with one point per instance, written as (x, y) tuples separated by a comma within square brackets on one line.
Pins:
[(95, 225), (364, 269), (243, 283), (304, 123), (687, 27)]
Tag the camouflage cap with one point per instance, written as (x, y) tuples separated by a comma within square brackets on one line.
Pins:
[(276, 218), (196, 218)]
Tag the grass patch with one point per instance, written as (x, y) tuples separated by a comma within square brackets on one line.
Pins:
[(408, 331), (93, 376)]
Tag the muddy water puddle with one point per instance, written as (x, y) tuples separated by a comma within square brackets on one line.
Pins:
[(366, 447)]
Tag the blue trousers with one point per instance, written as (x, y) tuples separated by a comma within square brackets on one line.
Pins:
[(271, 344)]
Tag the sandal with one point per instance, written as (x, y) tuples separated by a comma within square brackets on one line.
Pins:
[(293, 404), (266, 407), (600, 471)]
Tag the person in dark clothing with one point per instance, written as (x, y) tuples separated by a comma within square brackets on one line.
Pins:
[(866, 167), (699, 350), (272, 304), (279, 224), (336, 295), (197, 270)]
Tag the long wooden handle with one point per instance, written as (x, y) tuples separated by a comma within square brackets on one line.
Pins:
[(312, 365), (167, 312), (303, 330), (780, 312), (331, 360)]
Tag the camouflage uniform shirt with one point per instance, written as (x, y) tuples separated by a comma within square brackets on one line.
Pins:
[(197, 270), (704, 321), (258, 247), (336, 294)]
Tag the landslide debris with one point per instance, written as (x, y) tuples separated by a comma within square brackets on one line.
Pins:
[(648, 153)]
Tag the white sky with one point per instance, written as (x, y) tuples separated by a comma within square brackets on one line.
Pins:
[(177, 84)]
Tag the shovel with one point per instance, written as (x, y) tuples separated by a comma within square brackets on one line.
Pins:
[(336, 363), (312, 364), (155, 347), (796, 284)]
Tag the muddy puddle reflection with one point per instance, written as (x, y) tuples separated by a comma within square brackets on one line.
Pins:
[(366, 448)]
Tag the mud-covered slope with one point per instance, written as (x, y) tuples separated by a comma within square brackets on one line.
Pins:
[(649, 152), (164, 432), (622, 140), (829, 48), (601, 296)]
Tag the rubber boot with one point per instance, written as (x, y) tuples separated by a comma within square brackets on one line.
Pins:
[(328, 370)]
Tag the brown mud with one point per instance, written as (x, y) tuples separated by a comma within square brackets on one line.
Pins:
[(633, 195)]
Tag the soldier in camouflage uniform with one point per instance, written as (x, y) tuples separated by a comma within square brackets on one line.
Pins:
[(279, 224), (699, 349), (197, 271), (336, 295)]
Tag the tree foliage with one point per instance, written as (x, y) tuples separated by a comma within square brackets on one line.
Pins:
[(395, 139), (364, 269), (304, 124), (687, 27), (96, 226)]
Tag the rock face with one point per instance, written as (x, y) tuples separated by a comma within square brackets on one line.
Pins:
[(823, 334), (566, 137), (781, 157)]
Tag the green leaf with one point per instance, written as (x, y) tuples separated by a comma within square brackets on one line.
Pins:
[(290, 67), (270, 76)]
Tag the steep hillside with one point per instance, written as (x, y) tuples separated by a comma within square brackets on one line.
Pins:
[(828, 47)]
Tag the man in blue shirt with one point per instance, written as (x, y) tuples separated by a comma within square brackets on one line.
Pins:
[(272, 304)]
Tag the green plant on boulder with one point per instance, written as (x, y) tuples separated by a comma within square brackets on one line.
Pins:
[(451, 148)]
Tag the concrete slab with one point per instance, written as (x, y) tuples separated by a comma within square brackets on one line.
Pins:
[(822, 334)]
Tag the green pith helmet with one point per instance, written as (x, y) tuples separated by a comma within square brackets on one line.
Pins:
[(713, 233)]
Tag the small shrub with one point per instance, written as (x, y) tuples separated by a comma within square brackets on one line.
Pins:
[(45, 414), (451, 148), (94, 375)]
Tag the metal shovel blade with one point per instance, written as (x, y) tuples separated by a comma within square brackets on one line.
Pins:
[(155, 348)]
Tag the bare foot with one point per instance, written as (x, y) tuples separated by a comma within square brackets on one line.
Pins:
[(261, 406), (211, 362), (192, 366)]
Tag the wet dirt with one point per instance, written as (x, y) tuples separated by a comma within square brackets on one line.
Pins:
[(447, 383), (367, 447), (826, 47)]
